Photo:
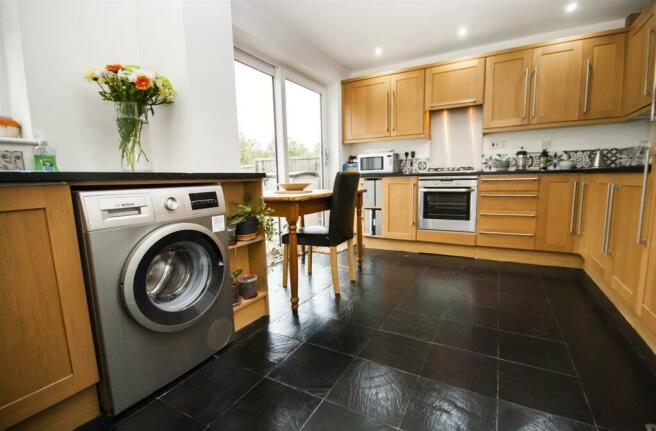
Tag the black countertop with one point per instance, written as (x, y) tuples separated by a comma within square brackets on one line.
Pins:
[(73, 177), (617, 170)]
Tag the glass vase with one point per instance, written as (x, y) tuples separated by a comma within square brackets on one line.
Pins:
[(129, 121)]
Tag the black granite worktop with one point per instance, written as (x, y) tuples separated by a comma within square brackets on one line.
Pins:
[(75, 177), (615, 170)]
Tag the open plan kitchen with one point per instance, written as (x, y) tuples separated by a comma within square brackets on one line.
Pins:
[(323, 215)]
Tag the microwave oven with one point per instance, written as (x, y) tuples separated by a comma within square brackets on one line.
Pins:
[(378, 163)]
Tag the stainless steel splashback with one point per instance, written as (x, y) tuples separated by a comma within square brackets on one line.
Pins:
[(457, 137)]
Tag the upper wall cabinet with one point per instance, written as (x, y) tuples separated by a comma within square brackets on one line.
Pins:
[(506, 89), (603, 69), (407, 116), (639, 73), (384, 107), (455, 85), (366, 109), (556, 80)]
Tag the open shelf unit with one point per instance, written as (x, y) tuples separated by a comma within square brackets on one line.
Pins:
[(249, 256)]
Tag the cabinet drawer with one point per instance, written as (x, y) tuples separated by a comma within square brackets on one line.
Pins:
[(506, 223), (509, 183), (508, 202), (505, 240)]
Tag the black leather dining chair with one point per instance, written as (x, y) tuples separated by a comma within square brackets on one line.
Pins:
[(339, 230)]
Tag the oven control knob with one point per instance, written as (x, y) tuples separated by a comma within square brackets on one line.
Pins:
[(171, 204)]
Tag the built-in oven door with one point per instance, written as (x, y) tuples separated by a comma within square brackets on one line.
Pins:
[(447, 208)]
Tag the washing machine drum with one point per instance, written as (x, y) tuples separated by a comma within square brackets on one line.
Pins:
[(173, 276)]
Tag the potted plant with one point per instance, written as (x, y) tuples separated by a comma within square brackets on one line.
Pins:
[(249, 220)]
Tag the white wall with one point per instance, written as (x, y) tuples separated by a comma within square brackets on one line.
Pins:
[(189, 41)]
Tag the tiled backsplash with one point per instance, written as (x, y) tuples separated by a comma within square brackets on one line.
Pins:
[(612, 157)]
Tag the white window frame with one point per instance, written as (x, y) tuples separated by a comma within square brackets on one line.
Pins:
[(280, 74)]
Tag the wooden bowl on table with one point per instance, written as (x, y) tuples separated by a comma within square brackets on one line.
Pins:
[(293, 187)]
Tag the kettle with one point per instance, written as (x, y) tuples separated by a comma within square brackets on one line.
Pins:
[(522, 159)]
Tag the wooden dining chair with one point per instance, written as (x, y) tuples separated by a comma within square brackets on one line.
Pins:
[(339, 230)]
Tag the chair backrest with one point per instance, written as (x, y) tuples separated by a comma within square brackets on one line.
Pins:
[(342, 207)]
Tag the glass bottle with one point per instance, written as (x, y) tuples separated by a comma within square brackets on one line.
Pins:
[(44, 158)]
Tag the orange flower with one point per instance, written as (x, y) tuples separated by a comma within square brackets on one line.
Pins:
[(113, 67), (143, 82)]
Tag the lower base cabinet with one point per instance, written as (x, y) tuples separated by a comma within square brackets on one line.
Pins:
[(46, 347)]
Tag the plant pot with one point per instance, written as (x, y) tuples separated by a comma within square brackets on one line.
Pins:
[(248, 286), (231, 229), (247, 229)]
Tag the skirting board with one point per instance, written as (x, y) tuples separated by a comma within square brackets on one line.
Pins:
[(532, 257)]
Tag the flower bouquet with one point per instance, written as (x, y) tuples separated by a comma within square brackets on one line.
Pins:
[(134, 92)]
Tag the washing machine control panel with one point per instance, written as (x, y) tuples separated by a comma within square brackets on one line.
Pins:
[(115, 208)]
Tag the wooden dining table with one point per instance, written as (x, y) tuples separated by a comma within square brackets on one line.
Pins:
[(293, 206)]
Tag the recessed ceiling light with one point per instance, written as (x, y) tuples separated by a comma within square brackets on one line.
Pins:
[(378, 51), (571, 7), (462, 31)]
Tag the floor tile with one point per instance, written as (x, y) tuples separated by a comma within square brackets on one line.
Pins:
[(547, 354), (517, 418), (300, 326), (361, 313), (396, 351), (268, 406), (482, 316), (331, 417), (410, 324), (469, 337), (464, 369), (525, 305), (210, 391), (312, 369), (425, 306), (543, 390), (156, 416), (442, 407), (521, 285), (262, 351), (341, 336), (374, 390), (529, 325)]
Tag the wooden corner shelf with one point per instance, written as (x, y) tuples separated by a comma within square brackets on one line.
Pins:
[(250, 310), (259, 238)]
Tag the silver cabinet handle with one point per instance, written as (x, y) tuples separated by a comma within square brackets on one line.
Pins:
[(609, 217), (643, 195), (587, 86), (579, 224), (605, 227), (575, 186), (535, 91), (647, 50), (510, 179), (525, 91), (393, 110), (486, 232), (387, 116), (442, 190)]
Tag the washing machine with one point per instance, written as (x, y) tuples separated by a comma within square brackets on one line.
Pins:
[(157, 273)]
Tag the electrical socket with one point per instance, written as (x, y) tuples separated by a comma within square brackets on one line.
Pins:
[(546, 144), (497, 145)]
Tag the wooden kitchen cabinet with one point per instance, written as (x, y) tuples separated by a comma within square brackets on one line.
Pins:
[(366, 109), (603, 71), (399, 207), (557, 213), (599, 263), (556, 82), (507, 89), (407, 116), (640, 58), (384, 107), (46, 345), (455, 85), (647, 307)]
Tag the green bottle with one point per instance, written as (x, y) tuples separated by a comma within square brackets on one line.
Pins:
[(44, 158)]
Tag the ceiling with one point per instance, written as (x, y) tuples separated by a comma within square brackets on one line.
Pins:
[(348, 31)]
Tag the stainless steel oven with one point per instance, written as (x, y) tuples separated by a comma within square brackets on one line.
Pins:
[(447, 203)]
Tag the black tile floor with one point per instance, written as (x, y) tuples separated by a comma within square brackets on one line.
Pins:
[(418, 343)]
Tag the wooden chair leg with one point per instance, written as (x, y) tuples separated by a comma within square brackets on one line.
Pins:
[(285, 264), (333, 269), (309, 261), (351, 258)]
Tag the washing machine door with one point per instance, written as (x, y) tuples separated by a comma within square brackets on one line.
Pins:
[(173, 276)]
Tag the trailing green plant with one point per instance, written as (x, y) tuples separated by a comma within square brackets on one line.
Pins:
[(235, 275), (265, 221)]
